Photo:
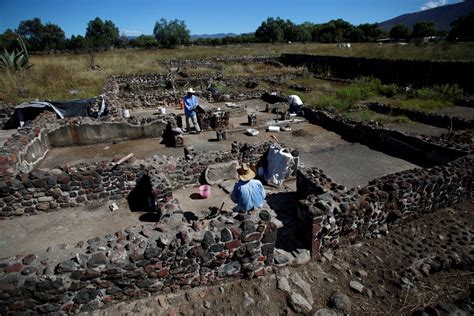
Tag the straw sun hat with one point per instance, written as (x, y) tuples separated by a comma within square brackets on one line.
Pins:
[(190, 90), (245, 172)]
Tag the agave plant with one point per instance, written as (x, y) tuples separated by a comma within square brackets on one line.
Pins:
[(17, 59)]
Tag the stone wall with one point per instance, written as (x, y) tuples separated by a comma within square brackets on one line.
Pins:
[(435, 119), (74, 134), (29, 145), (40, 191), (153, 90), (137, 262), (459, 140), (63, 187), (342, 215), (415, 149), (402, 72)]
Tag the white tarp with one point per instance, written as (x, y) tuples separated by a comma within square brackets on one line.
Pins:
[(278, 164)]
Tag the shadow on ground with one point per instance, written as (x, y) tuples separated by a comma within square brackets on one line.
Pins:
[(140, 199), (284, 205)]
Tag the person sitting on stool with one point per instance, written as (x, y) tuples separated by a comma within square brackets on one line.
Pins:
[(248, 193), (190, 104)]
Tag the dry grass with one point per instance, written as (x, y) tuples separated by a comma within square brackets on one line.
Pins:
[(367, 115), (256, 69), (69, 76)]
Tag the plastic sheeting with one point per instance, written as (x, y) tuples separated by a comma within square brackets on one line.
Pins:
[(80, 107), (279, 162), (62, 108)]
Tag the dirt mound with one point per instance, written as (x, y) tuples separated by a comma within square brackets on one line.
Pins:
[(301, 133)]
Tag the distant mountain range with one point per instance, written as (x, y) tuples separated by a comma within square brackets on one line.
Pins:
[(196, 36), (217, 35), (442, 16)]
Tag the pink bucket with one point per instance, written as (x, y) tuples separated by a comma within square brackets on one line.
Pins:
[(205, 191)]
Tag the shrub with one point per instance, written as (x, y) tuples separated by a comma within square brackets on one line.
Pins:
[(331, 101), (389, 90), (446, 92), (16, 60)]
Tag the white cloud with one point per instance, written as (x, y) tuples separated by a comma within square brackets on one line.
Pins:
[(433, 4), (130, 33)]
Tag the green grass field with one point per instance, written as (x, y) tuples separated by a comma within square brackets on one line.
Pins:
[(69, 76)]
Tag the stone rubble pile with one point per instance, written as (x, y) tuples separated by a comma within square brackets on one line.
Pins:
[(459, 140)]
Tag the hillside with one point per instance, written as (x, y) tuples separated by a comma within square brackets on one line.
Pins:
[(442, 16), (218, 35)]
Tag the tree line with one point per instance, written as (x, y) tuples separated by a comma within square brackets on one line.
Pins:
[(102, 35)]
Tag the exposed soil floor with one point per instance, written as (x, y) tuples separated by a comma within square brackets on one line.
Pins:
[(34, 234), (69, 226), (349, 164), (416, 128), (459, 111), (378, 264)]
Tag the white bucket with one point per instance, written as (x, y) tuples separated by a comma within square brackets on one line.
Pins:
[(126, 113), (162, 110)]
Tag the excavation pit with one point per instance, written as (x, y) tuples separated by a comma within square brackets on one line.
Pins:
[(355, 180)]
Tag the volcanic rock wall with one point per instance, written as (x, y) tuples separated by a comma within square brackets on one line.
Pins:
[(329, 213), (402, 72), (342, 215), (435, 119), (63, 187), (138, 261), (421, 151), (154, 90)]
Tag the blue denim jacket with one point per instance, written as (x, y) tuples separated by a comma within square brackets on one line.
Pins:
[(248, 194), (190, 103)]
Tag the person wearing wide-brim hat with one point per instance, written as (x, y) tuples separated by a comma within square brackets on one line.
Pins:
[(248, 193), (190, 104)]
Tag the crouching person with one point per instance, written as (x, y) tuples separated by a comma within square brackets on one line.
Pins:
[(295, 104), (248, 193)]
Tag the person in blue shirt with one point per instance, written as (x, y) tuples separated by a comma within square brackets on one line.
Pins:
[(190, 104), (248, 193)]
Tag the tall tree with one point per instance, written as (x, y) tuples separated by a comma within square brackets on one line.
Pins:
[(304, 32), (31, 31), (52, 37), (333, 31), (101, 35), (400, 31), (144, 41), (77, 43), (463, 29), (356, 35), (372, 32), (423, 29), (8, 40), (271, 31), (41, 37), (171, 34)]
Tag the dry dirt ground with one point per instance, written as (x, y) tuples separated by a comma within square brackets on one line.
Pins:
[(380, 265), (350, 164)]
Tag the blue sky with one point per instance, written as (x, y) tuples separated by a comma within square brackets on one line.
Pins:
[(134, 17)]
